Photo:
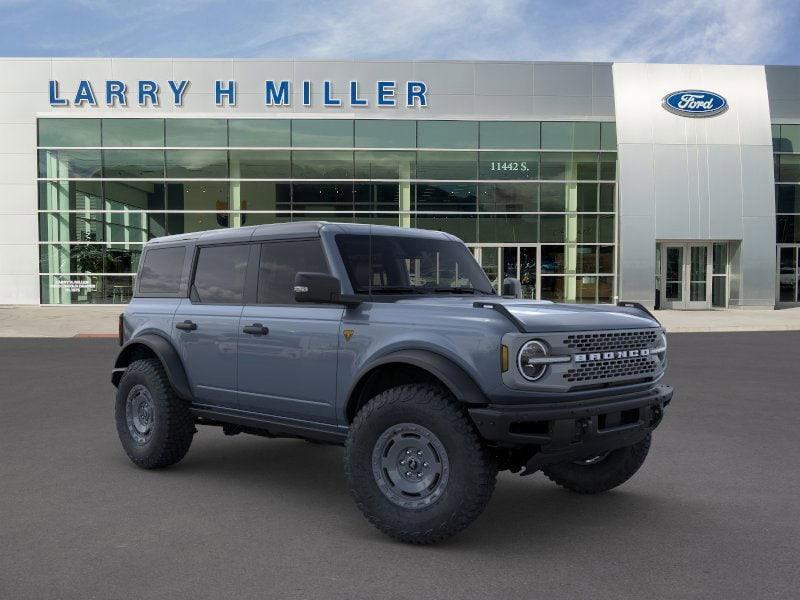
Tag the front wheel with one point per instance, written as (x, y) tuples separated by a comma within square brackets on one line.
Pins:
[(600, 473), (416, 467)]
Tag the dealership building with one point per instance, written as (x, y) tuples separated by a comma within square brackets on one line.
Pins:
[(676, 186)]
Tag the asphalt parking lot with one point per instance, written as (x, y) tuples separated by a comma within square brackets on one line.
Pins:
[(714, 513)]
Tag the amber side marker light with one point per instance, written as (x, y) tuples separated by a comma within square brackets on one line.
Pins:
[(503, 358)]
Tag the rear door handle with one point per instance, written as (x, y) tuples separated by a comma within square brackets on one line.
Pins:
[(256, 329), (186, 326)]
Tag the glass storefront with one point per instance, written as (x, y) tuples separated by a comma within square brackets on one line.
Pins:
[(786, 148), (534, 200)]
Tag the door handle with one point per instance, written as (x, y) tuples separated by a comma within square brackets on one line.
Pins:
[(186, 326), (256, 329)]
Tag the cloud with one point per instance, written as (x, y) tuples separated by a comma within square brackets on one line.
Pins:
[(682, 31), (414, 28), (708, 31)]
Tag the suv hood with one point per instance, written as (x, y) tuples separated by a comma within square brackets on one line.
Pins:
[(536, 317)]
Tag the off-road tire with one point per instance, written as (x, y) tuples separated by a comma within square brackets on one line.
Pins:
[(472, 472), (172, 424), (615, 469)]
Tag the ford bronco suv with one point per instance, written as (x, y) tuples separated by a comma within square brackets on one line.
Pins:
[(394, 343)]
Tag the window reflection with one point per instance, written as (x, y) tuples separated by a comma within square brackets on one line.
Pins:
[(133, 132), (544, 189)]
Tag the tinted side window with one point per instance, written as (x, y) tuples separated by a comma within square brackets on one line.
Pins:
[(280, 262), (161, 270), (219, 276)]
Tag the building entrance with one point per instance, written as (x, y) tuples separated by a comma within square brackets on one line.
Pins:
[(686, 273), (692, 275)]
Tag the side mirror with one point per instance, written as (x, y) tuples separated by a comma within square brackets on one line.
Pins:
[(512, 287), (316, 287), (320, 288)]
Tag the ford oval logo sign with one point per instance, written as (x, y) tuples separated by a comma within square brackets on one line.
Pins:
[(695, 103)]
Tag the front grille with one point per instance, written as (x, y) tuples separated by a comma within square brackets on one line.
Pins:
[(611, 340), (609, 369), (642, 366)]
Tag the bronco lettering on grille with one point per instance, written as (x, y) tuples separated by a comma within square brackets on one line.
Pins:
[(595, 356)]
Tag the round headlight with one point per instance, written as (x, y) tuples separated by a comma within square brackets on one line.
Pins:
[(662, 347), (527, 362)]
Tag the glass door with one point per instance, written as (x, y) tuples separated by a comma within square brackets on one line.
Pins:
[(672, 263), (686, 276), (788, 275), (699, 276)]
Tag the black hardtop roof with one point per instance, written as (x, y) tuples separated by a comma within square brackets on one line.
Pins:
[(293, 229)]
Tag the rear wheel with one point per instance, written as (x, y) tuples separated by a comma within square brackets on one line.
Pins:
[(595, 474), (416, 467), (153, 424)]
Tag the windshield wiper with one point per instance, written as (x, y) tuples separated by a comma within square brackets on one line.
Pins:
[(463, 289)]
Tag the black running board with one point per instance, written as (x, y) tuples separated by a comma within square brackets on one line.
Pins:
[(275, 426)]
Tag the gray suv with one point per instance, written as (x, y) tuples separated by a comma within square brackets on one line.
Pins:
[(394, 343)]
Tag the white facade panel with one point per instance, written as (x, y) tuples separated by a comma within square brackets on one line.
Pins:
[(202, 73), (723, 218), (673, 220), (338, 72), (758, 262), (703, 200), (447, 78), (19, 289), (69, 72), (18, 198), (18, 168), (23, 75), (506, 105), (636, 194), (16, 259), (18, 229), (386, 70), (14, 136), (499, 79), (251, 74), (131, 70), (560, 107), (20, 107)]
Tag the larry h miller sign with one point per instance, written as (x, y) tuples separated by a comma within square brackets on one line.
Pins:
[(147, 92)]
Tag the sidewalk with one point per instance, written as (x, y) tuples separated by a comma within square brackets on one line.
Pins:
[(677, 321), (58, 321), (101, 321)]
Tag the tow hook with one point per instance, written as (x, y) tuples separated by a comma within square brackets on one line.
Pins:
[(581, 427), (656, 414)]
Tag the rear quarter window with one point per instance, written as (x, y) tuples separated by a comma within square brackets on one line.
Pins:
[(220, 274), (161, 270)]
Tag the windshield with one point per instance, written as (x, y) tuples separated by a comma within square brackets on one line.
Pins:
[(397, 264)]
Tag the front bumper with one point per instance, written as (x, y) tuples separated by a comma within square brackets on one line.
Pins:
[(575, 430)]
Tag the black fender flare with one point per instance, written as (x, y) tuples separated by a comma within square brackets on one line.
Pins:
[(165, 352), (458, 381)]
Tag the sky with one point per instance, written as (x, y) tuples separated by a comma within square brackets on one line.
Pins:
[(679, 31)]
